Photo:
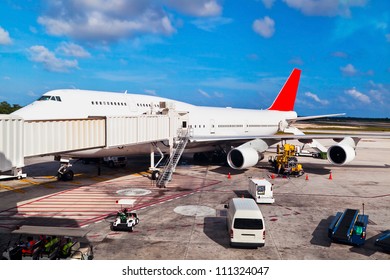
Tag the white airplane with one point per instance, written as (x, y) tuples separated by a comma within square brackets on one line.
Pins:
[(244, 134)]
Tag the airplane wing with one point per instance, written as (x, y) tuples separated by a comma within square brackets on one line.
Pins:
[(279, 137), (251, 147)]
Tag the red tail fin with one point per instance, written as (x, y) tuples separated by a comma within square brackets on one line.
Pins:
[(286, 97)]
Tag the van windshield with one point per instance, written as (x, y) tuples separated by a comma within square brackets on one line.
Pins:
[(248, 224), (260, 189)]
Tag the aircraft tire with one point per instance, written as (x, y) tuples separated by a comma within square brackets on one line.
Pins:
[(67, 176)]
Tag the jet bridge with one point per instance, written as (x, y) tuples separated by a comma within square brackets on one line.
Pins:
[(20, 139)]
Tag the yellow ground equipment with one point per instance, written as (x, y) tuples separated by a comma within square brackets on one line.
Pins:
[(285, 162)]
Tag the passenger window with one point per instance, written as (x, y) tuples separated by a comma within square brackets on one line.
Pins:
[(93, 103)]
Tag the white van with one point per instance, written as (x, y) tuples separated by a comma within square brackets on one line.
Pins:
[(245, 223), (261, 190)]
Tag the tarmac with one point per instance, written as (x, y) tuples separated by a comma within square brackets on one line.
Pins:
[(187, 220)]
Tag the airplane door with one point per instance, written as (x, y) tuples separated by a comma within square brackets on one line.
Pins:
[(212, 126), (183, 122)]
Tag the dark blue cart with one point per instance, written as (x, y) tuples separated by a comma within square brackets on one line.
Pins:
[(349, 227)]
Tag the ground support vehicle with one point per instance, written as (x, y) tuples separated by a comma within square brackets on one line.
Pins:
[(348, 227), (245, 223), (285, 162), (49, 244), (383, 241), (115, 161), (261, 190), (125, 220)]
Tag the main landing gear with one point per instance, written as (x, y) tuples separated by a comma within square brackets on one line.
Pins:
[(65, 173)]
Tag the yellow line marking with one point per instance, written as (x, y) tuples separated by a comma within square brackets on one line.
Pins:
[(11, 189), (99, 179), (75, 182), (30, 182), (49, 177), (43, 184)]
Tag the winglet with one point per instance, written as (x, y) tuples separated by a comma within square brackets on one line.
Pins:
[(286, 97)]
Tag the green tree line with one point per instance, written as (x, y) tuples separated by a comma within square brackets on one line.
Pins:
[(6, 108)]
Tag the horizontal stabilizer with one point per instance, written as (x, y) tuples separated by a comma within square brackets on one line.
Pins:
[(290, 121)]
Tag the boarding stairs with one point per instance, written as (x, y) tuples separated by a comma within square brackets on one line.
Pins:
[(178, 149)]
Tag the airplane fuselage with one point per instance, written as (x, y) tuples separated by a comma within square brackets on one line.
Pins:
[(204, 122)]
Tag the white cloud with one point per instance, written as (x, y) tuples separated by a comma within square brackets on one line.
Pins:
[(4, 37), (268, 3), (32, 94), (358, 95), (112, 20), (105, 20), (340, 54), (205, 94), (296, 61), (218, 94), (202, 8), (380, 93), (325, 7), (316, 98), (52, 63), (151, 92), (348, 70), (265, 27), (210, 24), (230, 83), (71, 49)]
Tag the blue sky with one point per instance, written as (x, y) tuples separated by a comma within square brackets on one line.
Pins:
[(205, 52)]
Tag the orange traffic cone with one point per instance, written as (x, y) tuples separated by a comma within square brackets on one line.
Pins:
[(330, 175), (272, 176), (229, 176), (307, 177)]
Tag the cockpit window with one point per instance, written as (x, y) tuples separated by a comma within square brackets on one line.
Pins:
[(49, 97), (44, 98)]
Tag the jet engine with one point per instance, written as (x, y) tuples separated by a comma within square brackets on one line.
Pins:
[(343, 152), (247, 155)]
